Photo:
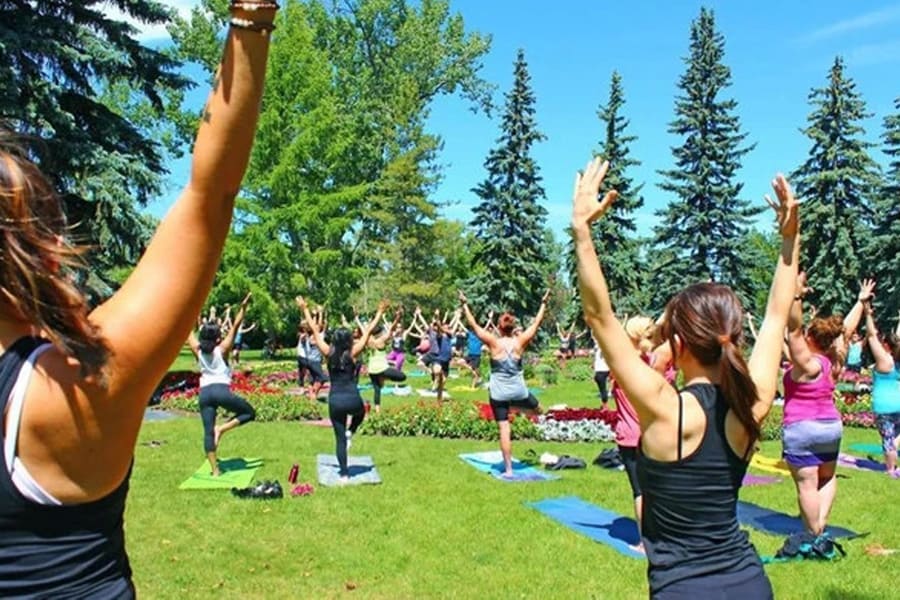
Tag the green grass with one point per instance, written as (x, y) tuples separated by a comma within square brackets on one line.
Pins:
[(435, 527)]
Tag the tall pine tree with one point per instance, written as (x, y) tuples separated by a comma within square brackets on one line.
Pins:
[(837, 184), (701, 234), (509, 222), (614, 234), (886, 239)]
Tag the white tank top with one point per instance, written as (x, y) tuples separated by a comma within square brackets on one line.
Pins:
[(213, 368)]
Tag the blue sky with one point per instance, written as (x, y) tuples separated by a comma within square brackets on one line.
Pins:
[(777, 52)]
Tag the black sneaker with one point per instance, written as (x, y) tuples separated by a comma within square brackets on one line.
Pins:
[(798, 545), (825, 547)]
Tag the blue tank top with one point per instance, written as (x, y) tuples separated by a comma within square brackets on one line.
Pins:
[(854, 354), (690, 528), (886, 391), (475, 344), (71, 551)]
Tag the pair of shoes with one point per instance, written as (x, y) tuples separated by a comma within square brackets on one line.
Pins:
[(824, 546), (797, 545), (264, 490), (304, 489)]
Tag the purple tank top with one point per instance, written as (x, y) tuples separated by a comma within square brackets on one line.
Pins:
[(810, 400)]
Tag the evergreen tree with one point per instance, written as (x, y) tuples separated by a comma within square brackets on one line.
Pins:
[(702, 232), (837, 183), (614, 233), (886, 239), (88, 99), (509, 222)]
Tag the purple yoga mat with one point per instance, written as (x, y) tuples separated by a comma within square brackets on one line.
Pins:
[(751, 479), (864, 464)]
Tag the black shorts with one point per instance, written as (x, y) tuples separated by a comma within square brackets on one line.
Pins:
[(629, 459), (445, 365), (501, 408), (474, 361)]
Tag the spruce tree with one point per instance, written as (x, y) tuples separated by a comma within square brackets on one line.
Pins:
[(886, 238), (614, 234), (836, 183), (702, 231), (509, 223)]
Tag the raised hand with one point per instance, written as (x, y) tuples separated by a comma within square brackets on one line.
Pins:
[(586, 209), (786, 209), (866, 290), (802, 288), (546, 296), (462, 297), (301, 302), (246, 300), (383, 305)]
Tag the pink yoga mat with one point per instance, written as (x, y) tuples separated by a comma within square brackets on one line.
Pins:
[(751, 479)]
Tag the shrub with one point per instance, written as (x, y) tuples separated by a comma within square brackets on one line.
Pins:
[(771, 427), (579, 370), (548, 373), (270, 406), (445, 420)]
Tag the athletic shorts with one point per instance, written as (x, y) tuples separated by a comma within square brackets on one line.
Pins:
[(444, 364), (888, 425), (811, 443), (474, 361), (501, 407), (629, 459)]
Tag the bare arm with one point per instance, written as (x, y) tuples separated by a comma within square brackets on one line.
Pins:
[(766, 356), (360, 344), (194, 343), (228, 343), (800, 355), (320, 342), (526, 336), (483, 334), (884, 362), (851, 321)]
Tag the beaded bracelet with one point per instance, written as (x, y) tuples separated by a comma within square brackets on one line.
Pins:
[(263, 28), (251, 6)]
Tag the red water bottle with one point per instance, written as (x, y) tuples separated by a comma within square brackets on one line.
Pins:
[(292, 476)]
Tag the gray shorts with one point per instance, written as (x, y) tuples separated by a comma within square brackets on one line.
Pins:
[(811, 443)]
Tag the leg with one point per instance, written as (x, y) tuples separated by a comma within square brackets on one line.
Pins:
[(208, 417), (506, 446), (377, 384), (887, 427), (600, 378), (827, 491), (629, 460), (241, 409), (339, 425), (806, 479)]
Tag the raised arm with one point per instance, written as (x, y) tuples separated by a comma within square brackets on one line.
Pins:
[(483, 334), (884, 362), (851, 321), (799, 353), (228, 343), (765, 359), (644, 386), (388, 328), (194, 343), (320, 342), (248, 328), (360, 344), (526, 336)]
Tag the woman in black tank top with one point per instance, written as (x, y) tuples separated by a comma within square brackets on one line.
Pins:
[(92, 382), (695, 443)]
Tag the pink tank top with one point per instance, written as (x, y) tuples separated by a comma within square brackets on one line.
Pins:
[(628, 427), (810, 400)]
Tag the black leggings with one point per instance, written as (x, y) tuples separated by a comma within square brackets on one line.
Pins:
[(378, 379), (218, 395), (338, 413), (600, 378), (311, 367)]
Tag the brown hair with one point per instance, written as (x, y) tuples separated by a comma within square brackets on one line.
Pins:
[(506, 324), (641, 330), (708, 319), (823, 331), (36, 266)]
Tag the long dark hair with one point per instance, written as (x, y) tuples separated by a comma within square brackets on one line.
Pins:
[(209, 337), (341, 358), (708, 319)]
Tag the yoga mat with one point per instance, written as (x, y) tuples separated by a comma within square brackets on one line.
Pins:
[(751, 479), (362, 470), (431, 394), (492, 462), (599, 524), (236, 472), (770, 465), (863, 464), (770, 521), (867, 448), (416, 373)]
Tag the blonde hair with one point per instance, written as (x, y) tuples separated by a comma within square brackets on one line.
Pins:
[(641, 331)]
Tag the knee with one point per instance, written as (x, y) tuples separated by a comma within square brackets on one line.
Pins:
[(250, 415)]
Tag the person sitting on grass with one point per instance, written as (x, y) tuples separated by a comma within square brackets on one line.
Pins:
[(695, 442), (507, 388), (215, 385)]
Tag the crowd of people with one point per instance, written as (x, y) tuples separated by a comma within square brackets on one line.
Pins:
[(74, 381)]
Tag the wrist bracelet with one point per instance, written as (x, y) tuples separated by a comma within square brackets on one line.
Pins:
[(248, 25)]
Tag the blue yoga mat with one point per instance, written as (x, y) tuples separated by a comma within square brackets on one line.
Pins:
[(492, 463), (599, 524), (770, 521)]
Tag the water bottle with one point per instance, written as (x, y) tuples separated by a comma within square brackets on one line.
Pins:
[(292, 476)]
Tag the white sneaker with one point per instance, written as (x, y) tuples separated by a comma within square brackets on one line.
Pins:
[(349, 439)]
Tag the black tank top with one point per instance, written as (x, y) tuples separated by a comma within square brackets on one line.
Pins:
[(690, 526), (75, 551)]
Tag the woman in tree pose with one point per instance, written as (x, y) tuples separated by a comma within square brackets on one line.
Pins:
[(507, 383), (812, 424), (239, 342), (886, 389), (397, 356), (567, 342), (74, 383), (378, 367), (215, 384), (309, 357), (695, 443), (344, 401)]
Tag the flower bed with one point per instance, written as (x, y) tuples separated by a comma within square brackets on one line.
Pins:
[(578, 425), (444, 420)]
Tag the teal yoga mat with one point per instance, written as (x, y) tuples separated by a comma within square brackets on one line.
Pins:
[(599, 524), (491, 462), (867, 448)]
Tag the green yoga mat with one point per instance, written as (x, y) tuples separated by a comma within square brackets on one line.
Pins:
[(867, 448), (236, 472)]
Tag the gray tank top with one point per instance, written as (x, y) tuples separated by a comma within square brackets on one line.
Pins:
[(507, 378)]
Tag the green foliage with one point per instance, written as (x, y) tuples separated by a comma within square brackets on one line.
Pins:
[(614, 234), (513, 250), (701, 235), (771, 427), (445, 420), (580, 370), (280, 406), (547, 372), (99, 112), (837, 183), (886, 237)]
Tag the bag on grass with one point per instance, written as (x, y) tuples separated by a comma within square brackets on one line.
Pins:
[(609, 459), (567, 462)]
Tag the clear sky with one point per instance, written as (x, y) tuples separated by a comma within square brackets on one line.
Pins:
[(777, 52)]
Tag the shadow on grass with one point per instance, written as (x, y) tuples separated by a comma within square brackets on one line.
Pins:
[(837, 593)]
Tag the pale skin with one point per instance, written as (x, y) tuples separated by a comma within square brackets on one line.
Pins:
[(654, 399), (498, 345), (78, 434), (225, 346), (884, 363), (816, 485)]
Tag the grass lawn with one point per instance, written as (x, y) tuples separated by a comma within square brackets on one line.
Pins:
[(435, 527)]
